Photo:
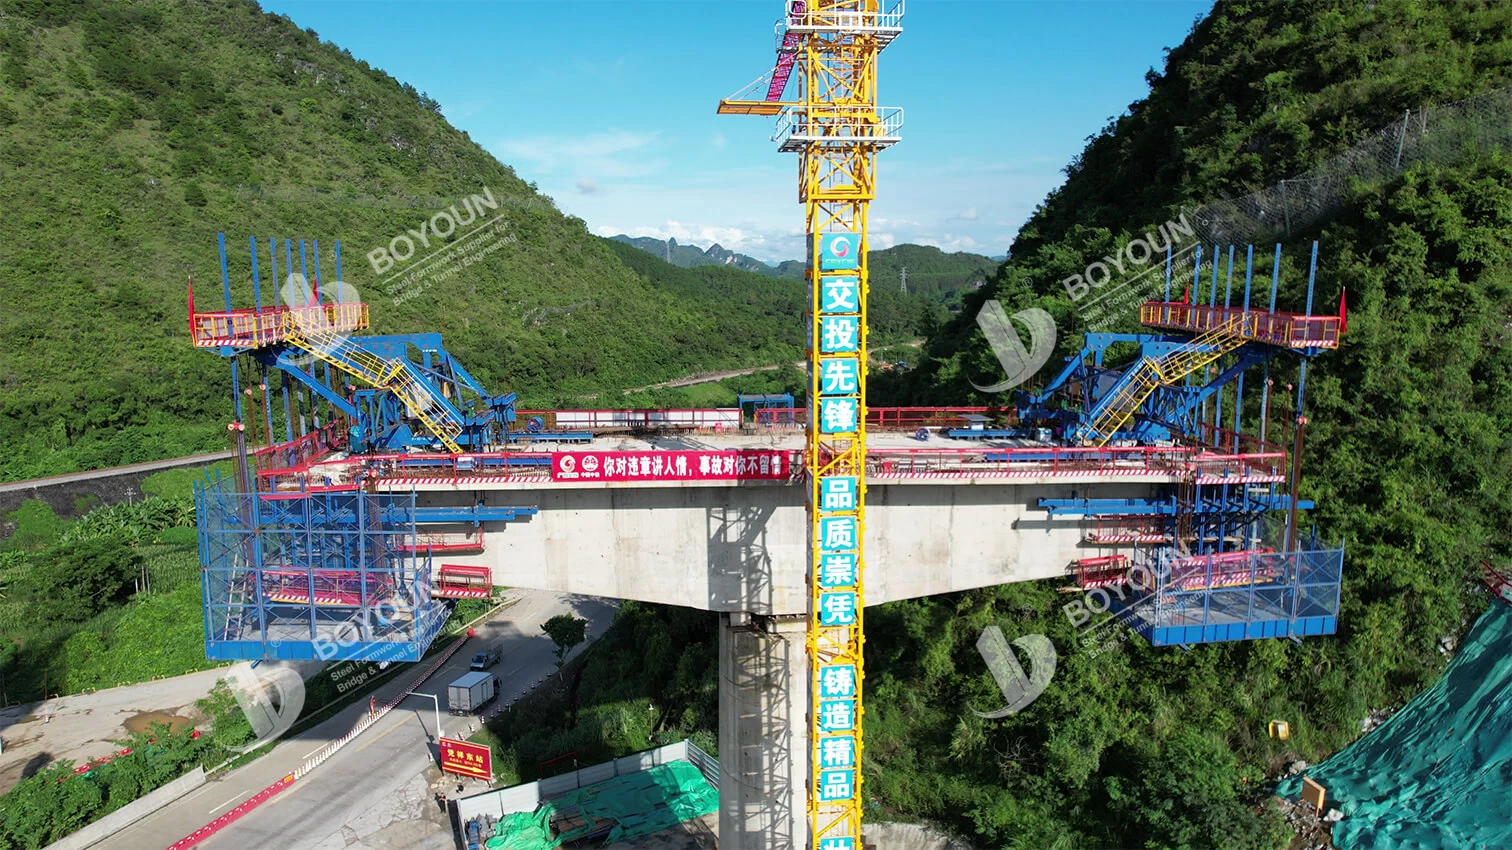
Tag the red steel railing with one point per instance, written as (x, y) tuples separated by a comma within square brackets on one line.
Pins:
[(251, 328), (1291, 330)]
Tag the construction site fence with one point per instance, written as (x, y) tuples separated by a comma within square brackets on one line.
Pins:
[(528, 796), (270, 460)]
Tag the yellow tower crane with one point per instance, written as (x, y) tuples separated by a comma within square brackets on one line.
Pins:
[(837, 128)]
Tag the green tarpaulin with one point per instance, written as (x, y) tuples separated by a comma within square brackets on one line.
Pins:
[(1439, 772), (629, 806)]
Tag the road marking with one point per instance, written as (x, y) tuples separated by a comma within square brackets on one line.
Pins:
[(314, 751), (515, 670), (229, 802), (393, 728)]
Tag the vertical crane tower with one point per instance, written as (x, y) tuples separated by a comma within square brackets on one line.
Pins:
[(837, 128)]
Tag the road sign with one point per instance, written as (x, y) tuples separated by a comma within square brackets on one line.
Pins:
[(466, 759)]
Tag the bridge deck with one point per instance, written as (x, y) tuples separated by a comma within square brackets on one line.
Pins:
[(766, 457)]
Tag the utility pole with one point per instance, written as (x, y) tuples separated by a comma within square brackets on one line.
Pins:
[(903, 275)]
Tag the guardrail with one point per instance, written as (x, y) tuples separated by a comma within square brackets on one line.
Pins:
[(900, 418)]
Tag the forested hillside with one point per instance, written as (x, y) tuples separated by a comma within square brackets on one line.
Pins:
[(131, 133), (1407, 451)]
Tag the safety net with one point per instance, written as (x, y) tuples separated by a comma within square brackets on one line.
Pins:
[(1436, 774)]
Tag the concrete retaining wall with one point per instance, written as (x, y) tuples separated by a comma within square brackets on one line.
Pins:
[(909, 836), (121, 818)]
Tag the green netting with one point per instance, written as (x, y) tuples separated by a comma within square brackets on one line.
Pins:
[(629, 806), (1436, 774)]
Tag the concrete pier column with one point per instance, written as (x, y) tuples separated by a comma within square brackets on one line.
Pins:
[(763, 733)]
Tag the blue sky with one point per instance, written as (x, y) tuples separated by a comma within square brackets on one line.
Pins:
[(608, 105)]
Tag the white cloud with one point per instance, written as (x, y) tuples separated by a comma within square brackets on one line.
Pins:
[(586, 186), (615, 153), (719, 140), (968, 214)]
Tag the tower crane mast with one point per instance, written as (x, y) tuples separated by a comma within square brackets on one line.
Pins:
[(837, 128)]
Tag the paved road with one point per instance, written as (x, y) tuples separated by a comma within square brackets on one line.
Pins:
[(350, 800), (85, 726), (170, 463)]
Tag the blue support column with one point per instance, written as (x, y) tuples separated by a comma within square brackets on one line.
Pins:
[(288, 413), (1168, 273)]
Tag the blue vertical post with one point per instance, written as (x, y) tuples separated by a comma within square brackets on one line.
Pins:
[(338, 261), (304, 272), (1168, 274), (226, 290), (315, 255), (256, 277), (1312, 277), (1208, 370), (225, 275), (288, 411), (1228, 293), (273, 261), (1275, 277), (1249, 270)]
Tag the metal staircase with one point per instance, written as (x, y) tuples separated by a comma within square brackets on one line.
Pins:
[(422, 400), (1150, 374)]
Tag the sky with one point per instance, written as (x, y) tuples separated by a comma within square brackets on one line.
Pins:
[(608, 105)]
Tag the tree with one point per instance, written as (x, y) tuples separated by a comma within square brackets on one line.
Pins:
[(566, 631), (74, 581)]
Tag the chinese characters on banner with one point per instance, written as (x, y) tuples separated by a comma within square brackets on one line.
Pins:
[(735, 464), (837, 516), (465, 759)]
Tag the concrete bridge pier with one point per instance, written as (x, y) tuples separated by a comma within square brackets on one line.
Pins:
[(763, 732)]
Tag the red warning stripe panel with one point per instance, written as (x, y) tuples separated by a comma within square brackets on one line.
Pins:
[(232, 816)]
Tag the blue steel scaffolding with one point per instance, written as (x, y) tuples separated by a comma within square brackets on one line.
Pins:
[(328, 576)]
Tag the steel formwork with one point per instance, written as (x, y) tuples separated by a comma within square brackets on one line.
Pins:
[(329, 576)]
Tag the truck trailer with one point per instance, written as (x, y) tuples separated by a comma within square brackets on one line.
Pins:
[(471, 692)]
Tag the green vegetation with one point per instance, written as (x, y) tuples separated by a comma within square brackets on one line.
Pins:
[(133, 133), (1406, 450), (566, 632), (651, 679), (110, 599), (55, 802)]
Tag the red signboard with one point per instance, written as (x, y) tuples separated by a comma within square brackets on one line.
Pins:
[(465, 759), (732, 465)]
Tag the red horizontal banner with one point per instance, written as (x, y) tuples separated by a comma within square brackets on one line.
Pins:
[(465, 759), (738, 464)]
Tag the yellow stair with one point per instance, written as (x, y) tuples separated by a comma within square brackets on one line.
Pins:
[(393, 375), (1151, 374)]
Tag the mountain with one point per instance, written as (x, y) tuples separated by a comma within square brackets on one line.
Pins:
[(689, 256), (1406, 453), (131, 134), (930, 271)]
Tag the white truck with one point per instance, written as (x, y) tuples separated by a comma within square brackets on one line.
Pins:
[(471, 692)]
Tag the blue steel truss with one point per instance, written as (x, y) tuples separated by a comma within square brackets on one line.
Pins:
[(325, 576)]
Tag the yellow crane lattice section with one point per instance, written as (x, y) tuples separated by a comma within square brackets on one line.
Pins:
[(835, 125)]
